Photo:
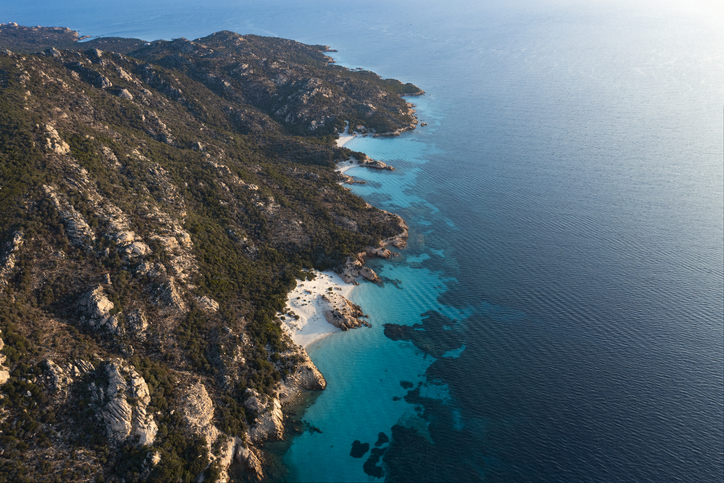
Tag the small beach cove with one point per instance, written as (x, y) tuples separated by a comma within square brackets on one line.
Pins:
[(369, 375)]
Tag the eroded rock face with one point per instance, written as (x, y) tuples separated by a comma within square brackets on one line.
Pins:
[(198, 410), (77, 228), (9, 257), (53, 142), (250, 461), (4, 371), (122, 404), (96, 310), (208, 304), (169, 295), (369, 274), (269, 422), (199, 413), (305, 378), (62, 376), (137, 323)]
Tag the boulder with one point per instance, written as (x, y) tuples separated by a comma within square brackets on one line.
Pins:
[(369, 274)]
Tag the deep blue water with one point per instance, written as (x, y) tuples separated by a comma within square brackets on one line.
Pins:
[(566, 259)]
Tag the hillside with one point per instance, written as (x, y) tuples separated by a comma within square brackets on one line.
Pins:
[(156, 205)]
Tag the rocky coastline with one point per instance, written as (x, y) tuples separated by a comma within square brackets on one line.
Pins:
[(164, 200), (339, 312)]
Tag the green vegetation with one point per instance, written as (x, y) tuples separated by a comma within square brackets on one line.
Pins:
[(193, 189)]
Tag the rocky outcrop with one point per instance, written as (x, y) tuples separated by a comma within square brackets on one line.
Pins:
[(79, 232), (207, 304), (369, 274), (198, 411), (378, 252), (53, 142), (61, 376), (121, 404), (306, 377), (368, 162), (137, 323), (168, 294), (268, 417), (400, 240), (9, 257), (342, 313), (96, 310), (251, 462), (4, 371), (354, 268)]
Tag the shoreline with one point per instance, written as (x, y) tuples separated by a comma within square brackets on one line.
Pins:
[(344, 138), (307, 324), (346, 165)]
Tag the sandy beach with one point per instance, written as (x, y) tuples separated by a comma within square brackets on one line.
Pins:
[(345, 136), (345, 165), (305, 302)]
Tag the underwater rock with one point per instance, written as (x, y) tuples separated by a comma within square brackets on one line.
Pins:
[(359, 449)]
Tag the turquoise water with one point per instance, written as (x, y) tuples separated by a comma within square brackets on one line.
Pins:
[(566, 212)]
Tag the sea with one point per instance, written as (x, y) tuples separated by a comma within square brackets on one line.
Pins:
[(558, 314)]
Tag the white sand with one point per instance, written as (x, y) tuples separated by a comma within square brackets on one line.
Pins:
[(345, 165), (305, 301), (345, 136)]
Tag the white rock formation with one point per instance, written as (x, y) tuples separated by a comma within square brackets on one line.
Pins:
[(61, 376), (4, 371), (198, 411), (269, 420), (53, 142), (305, 377), (9, 257), (96, 309), (122, 405), (137, 323), (208, 304), (78, 230), (342, 313)]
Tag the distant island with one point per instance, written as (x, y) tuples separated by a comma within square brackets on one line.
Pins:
[(159, 202)]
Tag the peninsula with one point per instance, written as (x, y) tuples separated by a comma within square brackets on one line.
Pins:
[(164, 209)]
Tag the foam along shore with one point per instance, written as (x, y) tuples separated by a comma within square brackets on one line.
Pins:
[(307, 304)]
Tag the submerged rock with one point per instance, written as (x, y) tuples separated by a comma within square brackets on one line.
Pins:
[(382, 438), (359, 449)]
